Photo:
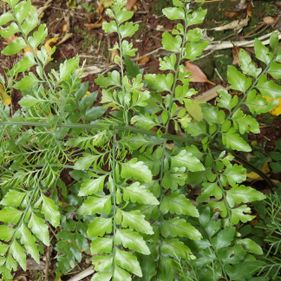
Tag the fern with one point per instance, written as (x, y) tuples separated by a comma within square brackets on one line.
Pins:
[(157, 189)]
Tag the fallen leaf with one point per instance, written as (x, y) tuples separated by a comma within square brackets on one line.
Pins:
[(197, 75), (49, 45), (235, 54), (231, 14), (4, 96), (143, 60), (131, 4), (254, 176), (268, 20), (210, 94), (235, 25)]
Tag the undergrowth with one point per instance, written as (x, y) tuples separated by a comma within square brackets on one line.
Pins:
[(156, 191)]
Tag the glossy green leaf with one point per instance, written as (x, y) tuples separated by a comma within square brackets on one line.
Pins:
[(92, 186), (39, 228), (178, 227), (176, 203), (138, 193), (128, 262), (186, 159), (96, 205), (50, 211), (171, 43), (14, 47), (238, 80), (136, 220), (174, 13), (243, 194), (99, 226), (131, 240), (18, 254), (136, 170)]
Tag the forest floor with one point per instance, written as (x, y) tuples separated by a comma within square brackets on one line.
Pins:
[(75, 29)]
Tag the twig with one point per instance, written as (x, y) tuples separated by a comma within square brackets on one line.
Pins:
[(220, 45), (80, 276)]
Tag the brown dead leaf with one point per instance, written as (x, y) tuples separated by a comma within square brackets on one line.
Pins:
[(235, 55), (143, 60), (268, 20), (131, 4), (249, 9), (197, 75), (231, 14), (235, 25)]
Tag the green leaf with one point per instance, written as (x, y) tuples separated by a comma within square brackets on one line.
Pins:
[(275, 70), (247, 65), (235, 174), (242, 214), (175, 248), (94, 113), (238, 81), (29, 101), (9, 31), (50, 211), (224, 238), (103, 263), (124, 15), (262, 52), (251, 246), (226, 100), (128, 29), (209, 189), (136, 170), (171, 43), (135, 220), (234, 141), (99, 226), (39, 36), (131, 240), (26, 83), (102, 276), (29, 242), (85, 162), (13, 198), (128, 262), (258, 104), (6, 233), (245, 123), (176, 203), (23, 64), (143, 122), (68, 67), (193, 50), (121, 275), (178, 227), (186, 159), (168, 62), (269, 88), (96, 205), (194, 109), (160, 82), (14, 47), (6, 18), (196, 17), (243, 194), (10, 215), (92, 186), (39, 228), (101, 246), (18, 254), (174, 13), (109, 27), (138, 193)]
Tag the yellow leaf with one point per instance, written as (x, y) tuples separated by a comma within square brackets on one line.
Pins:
[(4, 96), (254, 176), (277, 110), (48, 45)]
